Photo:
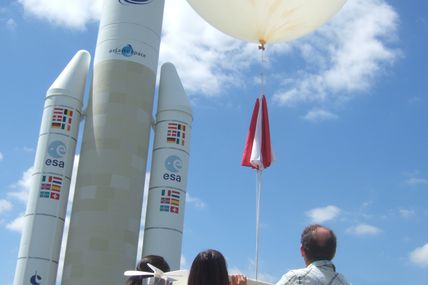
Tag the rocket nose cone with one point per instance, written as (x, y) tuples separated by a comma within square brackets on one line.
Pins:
[(72, 79), (171, 92)]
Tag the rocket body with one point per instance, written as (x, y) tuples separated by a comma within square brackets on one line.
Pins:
[(163, 229), (105, 218), (45, 214)]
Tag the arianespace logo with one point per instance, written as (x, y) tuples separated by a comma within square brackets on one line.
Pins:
[(173, 165), (127, 51), (136, 2), (56, 150)]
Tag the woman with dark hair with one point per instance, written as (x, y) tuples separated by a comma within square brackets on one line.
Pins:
[(209, 268), (155, 260)]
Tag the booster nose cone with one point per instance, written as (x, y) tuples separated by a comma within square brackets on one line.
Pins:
[(72, 79), (173, 94)]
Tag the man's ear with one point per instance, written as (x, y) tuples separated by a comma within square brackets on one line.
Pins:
[(302, 252)]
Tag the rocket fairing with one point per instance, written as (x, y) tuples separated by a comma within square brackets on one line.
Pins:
[(105, 217), (47, 204), (163, 229)]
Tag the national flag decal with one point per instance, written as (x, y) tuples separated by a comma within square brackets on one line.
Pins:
[(170, 201), (50, 187), (62, 118), (176, 133)]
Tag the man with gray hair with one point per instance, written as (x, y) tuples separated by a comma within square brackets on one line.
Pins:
[(318, 249)]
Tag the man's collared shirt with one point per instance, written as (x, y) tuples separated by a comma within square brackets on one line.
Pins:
[(321, 272)]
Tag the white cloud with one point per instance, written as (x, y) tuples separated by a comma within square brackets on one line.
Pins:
[(23, 186), (72, 14), (183, 262), (5, 206), (413, 181), (11, 24), (346, 55), (414, 100), (1, 156), (17, 225), (27, 149), (318, 115), (406, 213), (250, 272), (363, 230), (21, 190), (320, 215), (198, 203), (419, 256)]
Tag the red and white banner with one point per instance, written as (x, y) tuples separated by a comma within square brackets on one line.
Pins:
[(258, 152)]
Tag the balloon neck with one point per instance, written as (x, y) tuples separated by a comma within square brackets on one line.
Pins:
[(262, 44)]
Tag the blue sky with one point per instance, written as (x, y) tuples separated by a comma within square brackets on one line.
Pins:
[(348, 110)]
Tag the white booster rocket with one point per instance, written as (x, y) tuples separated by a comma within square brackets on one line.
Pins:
[(163, 229), (105, 217), (47, 204)]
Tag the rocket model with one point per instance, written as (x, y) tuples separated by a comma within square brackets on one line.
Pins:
[(44, 218), (163, 229), (105, 217)]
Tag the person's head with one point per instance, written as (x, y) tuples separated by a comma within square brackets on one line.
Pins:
[(208, 268), (155, 260), (318, 243)]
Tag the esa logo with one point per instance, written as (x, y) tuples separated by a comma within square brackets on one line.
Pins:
[(173, 164), (57, 150)]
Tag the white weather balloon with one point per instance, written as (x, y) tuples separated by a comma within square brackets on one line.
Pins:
[(266, 21)]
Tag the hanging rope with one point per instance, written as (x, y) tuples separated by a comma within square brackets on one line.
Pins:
[(259, 172), (262, 64), (258, 197)]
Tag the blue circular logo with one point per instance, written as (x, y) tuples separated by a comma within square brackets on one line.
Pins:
[(136, 2), (173, 163), (127, 51), (35, 279), (57, 149)]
